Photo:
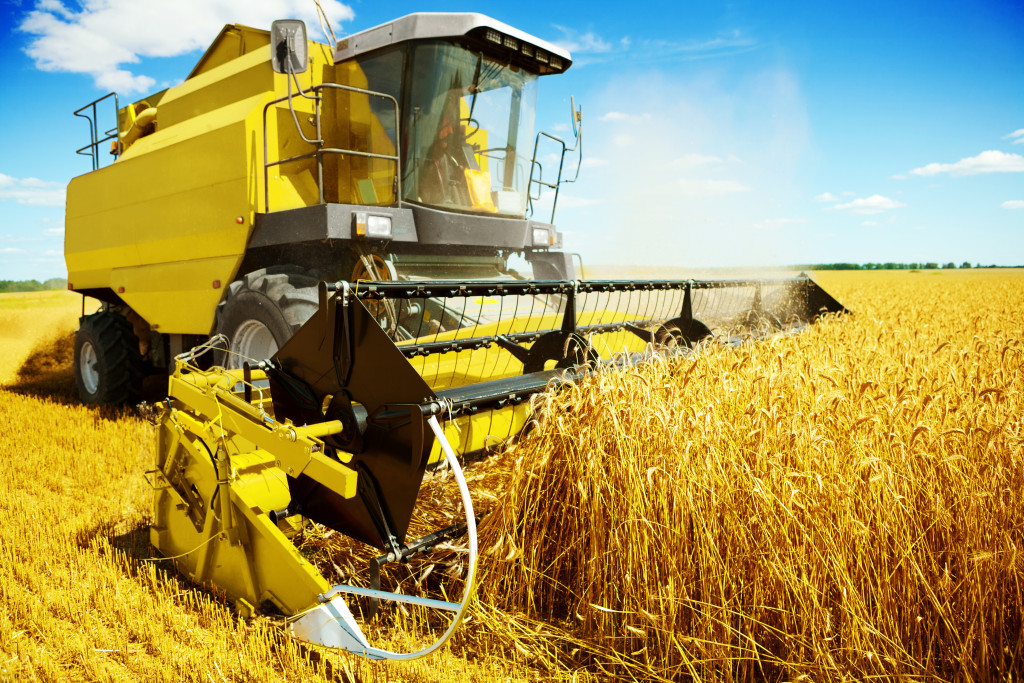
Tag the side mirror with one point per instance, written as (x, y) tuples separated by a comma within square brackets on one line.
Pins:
[(288, 48), (577, 116)]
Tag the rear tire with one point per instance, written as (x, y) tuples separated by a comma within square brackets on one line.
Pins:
[(263, 310), (108, 366)]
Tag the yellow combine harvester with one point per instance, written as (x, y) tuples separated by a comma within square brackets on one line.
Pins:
[(331, 250)]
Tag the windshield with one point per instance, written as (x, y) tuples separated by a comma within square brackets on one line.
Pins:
[(469, 123)]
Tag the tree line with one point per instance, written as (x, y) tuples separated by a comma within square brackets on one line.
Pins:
[(894, 266), (8, 286)]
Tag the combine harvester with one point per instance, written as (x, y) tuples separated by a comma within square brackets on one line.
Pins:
[(321, 246)]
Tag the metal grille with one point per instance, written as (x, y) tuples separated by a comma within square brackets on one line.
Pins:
[(463, 333)]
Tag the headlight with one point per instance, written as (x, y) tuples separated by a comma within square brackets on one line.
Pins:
[(369, 225), (541, 238), (378, 226)]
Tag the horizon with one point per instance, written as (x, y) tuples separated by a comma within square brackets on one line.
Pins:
[(619, 271)]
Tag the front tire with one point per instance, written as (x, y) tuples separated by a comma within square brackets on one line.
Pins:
[(108, 366), (263, 310)]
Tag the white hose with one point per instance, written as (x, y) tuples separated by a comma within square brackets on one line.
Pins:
[(467, 593)]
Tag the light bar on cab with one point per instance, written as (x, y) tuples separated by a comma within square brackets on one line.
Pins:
[(503, 42), (536, 58)]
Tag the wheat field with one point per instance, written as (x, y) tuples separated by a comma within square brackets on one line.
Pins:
[(842, 504)]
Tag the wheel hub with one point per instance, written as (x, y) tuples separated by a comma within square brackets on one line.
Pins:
[(253, 341), (87, 367)]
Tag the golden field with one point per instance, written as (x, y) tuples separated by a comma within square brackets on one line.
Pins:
[(842, 504)]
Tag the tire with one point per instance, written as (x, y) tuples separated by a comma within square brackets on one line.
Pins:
[(262, 311), (108, 366)]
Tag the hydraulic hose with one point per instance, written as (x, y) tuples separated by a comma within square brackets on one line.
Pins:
[(467, 593)]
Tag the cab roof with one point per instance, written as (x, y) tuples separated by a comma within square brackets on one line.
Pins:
[(494, 37)]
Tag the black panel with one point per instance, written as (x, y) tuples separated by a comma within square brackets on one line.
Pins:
[(325, 221), (418, 224), (442, 227), (343, 352), (104, 294), (820, 302), (552, 265)]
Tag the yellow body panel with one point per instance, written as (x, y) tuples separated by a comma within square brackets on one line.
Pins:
[(166, 225), (145, 290), (233, 41), (482, 431), (460, 368)]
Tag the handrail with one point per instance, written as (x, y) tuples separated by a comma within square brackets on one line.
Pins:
[(319, 141), (94, 141), (534, 164), (539, 181)]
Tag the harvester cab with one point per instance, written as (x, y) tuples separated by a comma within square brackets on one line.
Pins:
[(326, 273)]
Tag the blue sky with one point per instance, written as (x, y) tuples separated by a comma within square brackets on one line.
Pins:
[(716, 133)]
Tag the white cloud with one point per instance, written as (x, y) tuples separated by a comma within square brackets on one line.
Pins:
[(97, 37), (54, 231), (1017, 136), (869, 224), (869, 205), (598, 49), (731, 43), (584, 43), (708, 188), (614, 116), (11, 250), (567, 201), (593, 162), (1013, 204), (826, 197), (694, 160), (31, 191), (992, 161), (776, 223)]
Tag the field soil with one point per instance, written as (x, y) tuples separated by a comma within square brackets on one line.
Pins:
[(842, 504)]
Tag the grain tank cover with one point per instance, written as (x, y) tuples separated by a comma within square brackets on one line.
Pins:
[(497, 38)]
